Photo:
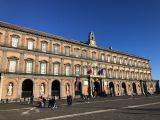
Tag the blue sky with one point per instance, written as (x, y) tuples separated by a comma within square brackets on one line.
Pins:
[(131, 26)]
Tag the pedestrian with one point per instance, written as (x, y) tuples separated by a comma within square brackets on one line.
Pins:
[(43, 101), (31, 99), (70, 99), (49, 103), (54, 104)]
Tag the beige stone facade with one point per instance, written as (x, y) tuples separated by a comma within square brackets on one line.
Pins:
[(41, 64)]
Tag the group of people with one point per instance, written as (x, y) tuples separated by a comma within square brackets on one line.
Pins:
[(52, 102)]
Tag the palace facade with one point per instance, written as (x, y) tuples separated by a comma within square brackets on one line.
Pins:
[(42, 64)]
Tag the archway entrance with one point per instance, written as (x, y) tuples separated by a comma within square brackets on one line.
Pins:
[(78, 88), (56, 88), (111, 89), (134, 89), (124, 90), (27, 88), (96, 88)]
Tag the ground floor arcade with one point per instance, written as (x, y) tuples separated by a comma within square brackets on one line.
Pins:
[(13, 87)]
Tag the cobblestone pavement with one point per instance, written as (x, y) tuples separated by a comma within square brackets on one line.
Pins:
[(108, 108)]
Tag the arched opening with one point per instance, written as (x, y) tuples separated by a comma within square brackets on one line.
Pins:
[(96, 88), (111, 89), (78, 88), (56, 88), (27, 88), (134, 89), (124, 90)]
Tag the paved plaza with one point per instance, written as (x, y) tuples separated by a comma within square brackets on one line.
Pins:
[(108, 108)]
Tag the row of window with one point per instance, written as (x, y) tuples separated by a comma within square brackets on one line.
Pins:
[(56, 49), (67, 70)]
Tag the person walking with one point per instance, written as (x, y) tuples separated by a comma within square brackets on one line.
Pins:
[(54, 104), (69, 100)]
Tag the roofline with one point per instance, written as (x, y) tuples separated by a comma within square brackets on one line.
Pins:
[(48, 35)]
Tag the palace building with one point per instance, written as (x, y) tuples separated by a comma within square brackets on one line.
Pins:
[(41, 64)]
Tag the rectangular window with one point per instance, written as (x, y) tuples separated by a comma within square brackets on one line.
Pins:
[(12, 66), (67, 70), (56, 69), (114, 59), (43, 68), (85, 71), (76, 52), (94, 56), (102, 57), (14, 42), (67, 51), (77, 70), (84, 54), (109, 58), (28, 67), (44, 47), (30, 45), (95, 71), (56, 49)]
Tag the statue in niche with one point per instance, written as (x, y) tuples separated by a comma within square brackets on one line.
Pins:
[(10, 89), (42, 89), (67, 88)]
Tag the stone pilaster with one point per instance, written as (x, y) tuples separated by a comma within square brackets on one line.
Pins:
[(62, 66), (62, 86), (19, 89), (4, 62), (49, 88), (50, 65), (36, 64), (72, 67), (6, 42), (21, 68)]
